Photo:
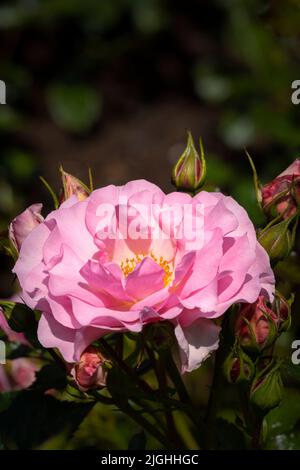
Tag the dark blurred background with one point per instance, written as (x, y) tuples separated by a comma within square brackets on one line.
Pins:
[(115, 84)]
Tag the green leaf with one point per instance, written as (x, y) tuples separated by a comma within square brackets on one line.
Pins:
[(289, 270), (103, 428), (283, 422), (22, 320)]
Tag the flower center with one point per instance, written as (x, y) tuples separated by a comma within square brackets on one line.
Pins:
[(129, 265)]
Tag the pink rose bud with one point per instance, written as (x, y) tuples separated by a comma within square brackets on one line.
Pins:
[(18, 374), (90, 372), (72, 186), (24, 223), (282, 195), (23, 372), (190, 171), (256, 326)]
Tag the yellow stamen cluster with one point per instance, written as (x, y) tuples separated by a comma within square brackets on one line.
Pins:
[(129, 265)]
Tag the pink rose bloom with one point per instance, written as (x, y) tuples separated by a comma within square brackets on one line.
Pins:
[(11, 334), (24, 223), (17, 374), (276, 195), (93, 271)]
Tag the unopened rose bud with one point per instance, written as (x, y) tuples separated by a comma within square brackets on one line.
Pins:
[(23, 224), (238, 367), (282, 307), (277, 240), (160, 335), (267, 388), (72, 186), (256, 326), (190, 171), (281, 196), (91, 371)]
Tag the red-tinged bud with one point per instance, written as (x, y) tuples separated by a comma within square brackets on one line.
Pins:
[(256, 326), (23, 224), (72, 186), (189, 173), (267, 388), (282, 308), (282, 195), (238, 367), (91, 371)]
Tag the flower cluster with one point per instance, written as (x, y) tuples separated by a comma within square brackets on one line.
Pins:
[(121, 280)]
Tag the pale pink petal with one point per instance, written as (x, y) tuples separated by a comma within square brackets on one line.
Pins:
[(196, 343), (52, 334)]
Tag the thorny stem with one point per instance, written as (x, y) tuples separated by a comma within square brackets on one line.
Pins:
[(110, 351), (144, 386)]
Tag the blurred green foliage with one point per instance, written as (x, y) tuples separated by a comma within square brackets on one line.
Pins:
[(74, 108)]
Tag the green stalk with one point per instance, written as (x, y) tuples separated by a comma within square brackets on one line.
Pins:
[(182, 392), (175, 376), (160, 372), (216, 388), (123, 366)]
